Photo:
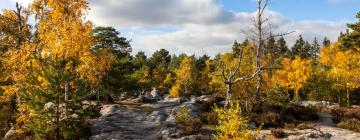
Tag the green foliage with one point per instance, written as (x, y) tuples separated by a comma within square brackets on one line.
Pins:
[(108, 37), (188, 124)]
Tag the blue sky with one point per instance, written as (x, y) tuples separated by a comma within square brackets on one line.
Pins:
[(332, 10), (211, 26)]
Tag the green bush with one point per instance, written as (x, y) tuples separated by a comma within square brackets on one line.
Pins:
[(187, 123)]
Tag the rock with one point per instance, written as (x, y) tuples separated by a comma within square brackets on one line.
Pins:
[(49, 105), (74, 116), (9, 134), (252, 125), (204, 99), (170, 133), (155, 93), (108, 109), (156, 116)]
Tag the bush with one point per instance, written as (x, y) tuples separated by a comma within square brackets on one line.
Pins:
[(232, 125), (294, 113), (188, 124), (209, 118), (278, 133), (303, 126), (268, 119), (174, 91), (350, 124)]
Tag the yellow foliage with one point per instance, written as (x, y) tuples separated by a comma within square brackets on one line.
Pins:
[(232, 125), (185, 74), (175, 91), (294, 74), (344, 66)]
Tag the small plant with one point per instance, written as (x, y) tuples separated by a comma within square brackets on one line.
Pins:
[(350, 124), (188, 124), (232, 125), (209, 118), (175, 91)]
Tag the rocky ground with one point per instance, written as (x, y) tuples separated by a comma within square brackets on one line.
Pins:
[(145, 121), (131, 120)]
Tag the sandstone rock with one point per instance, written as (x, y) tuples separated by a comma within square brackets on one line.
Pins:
[(11, 133)]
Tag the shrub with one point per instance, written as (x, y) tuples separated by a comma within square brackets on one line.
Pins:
[(278, 133), (351, 124), (294, 113), (209, 118), (174, 91), (303, 126), (268, 119), (232, 125), (188, 124)]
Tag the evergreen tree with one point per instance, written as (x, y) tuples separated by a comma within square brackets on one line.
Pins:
[(301, 48), (108, 37), (314, 50), (326, 42), (283, 48), (351, 40)]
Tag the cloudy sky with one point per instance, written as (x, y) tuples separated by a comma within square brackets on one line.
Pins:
[(211, 26)]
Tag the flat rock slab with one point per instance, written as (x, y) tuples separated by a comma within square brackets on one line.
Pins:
[(123, 123)]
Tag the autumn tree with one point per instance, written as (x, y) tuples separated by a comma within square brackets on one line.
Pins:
[(57, 66), (158, 63), (234, 68), (186, 75), (294, 74), (343, 67)]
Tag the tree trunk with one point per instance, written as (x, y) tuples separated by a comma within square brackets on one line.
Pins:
[(228, 93), (347, 96), (58, 117), (66, 90)]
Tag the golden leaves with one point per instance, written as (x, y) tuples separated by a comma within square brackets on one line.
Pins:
[(294, 73), (344, 65)]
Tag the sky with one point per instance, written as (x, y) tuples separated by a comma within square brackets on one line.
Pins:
[(211, 26)]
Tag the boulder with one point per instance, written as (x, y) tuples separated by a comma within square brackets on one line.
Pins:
[(11, 133), (108, 109)]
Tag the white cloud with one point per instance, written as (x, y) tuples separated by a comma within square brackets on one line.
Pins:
[(193, 26)]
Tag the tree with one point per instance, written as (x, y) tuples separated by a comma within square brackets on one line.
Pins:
[(186, 75), (314, 50), (140, 60), (326, 42), (283, 48), (294, 74), (231, 67), (301, 48), (344, 68), (108, 37), (57, 66), (352, 40), (159, 63)]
